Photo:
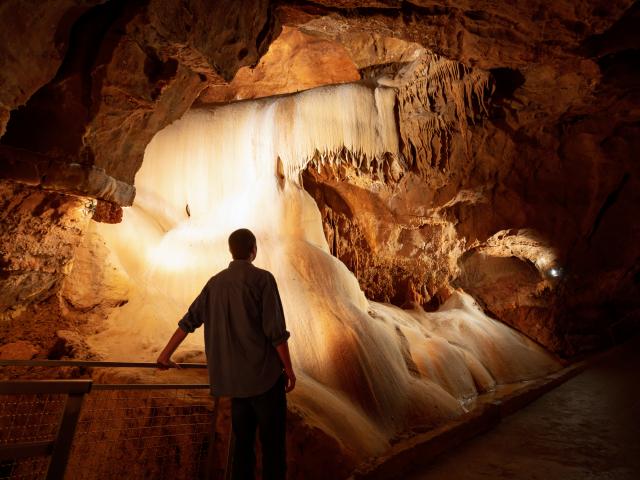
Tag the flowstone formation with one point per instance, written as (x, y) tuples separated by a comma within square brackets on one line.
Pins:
[(368, 371)]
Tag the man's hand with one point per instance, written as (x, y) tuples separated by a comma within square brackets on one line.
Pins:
[(164, 359), (165, 363), (291, 380), (285, 358)]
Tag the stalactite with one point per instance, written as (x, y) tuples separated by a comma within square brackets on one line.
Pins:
[(423, 98)]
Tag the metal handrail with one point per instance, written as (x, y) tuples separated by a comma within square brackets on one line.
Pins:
[(31, 387), (105, 386), (89, 363), (150, 386)]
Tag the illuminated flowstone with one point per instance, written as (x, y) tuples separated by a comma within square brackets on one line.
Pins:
[(367, 371)]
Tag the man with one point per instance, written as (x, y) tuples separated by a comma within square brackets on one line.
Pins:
[(247, 355)]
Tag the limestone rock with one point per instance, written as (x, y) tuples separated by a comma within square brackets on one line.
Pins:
[(19, 350), (40, 232), (94, 282), (295, 61), (107, 212), (38, 170), (33, 42), (401, 251), (479, 33), (514, 291), (69, 344), (4, 119)]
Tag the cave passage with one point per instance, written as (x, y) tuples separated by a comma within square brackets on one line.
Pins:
[(446, 192)]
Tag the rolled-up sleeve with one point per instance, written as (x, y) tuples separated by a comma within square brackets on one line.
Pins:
[(273, 323), (195, 315)]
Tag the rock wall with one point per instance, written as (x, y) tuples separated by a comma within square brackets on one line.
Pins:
[(40, 236), (40, 233), (31, 60)]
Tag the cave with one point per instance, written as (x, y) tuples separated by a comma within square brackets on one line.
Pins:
[(445, 192)]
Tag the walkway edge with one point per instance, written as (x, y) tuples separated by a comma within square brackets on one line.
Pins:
[(424, 448)]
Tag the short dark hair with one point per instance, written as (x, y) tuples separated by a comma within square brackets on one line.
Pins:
[(241, 243)]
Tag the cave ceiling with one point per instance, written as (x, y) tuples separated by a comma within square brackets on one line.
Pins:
[(94, 89)]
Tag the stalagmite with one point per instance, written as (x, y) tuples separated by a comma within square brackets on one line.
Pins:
[(367, 371)]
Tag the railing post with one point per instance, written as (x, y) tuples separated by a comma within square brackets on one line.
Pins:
[(231, 451), (66, 430), (208, 472)]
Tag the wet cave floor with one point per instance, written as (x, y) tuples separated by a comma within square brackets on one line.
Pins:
[(585, 429)]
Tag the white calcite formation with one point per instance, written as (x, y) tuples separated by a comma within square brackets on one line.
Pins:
[(367, 371)]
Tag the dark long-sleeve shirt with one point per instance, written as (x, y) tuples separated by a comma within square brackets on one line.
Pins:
[(243, 319)]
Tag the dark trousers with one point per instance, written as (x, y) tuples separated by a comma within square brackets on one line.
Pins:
[(268, 413)]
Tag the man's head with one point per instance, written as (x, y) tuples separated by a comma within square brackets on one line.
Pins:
[(242, 245)]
